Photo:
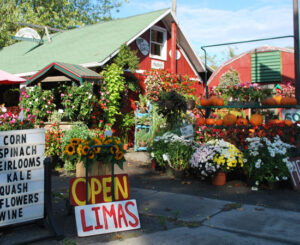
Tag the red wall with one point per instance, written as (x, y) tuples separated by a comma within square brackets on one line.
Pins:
[(183, 67), (243, 66)]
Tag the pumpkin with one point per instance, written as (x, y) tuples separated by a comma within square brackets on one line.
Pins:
[(200, 121), (229, 119), (205, 102), (288, 101), (288, 123), (269, 101), (277, 98), (219, 101), (242, 121), (213, 100), (210, 121), (256, 120), (219, 122), (274, 121)]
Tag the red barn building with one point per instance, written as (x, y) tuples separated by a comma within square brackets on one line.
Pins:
[(263, 65), (155, 36)]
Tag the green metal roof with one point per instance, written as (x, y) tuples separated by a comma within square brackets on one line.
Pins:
[(75, 72), (84, 45)]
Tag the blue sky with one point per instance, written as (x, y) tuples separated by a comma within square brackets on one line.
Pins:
[(208, 22)]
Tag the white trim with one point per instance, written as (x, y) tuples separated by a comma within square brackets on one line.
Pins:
[(190, 64), (26, 74), (164, 46), (148, 27)]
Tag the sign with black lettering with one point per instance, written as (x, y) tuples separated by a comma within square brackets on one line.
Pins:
[(21, 175)]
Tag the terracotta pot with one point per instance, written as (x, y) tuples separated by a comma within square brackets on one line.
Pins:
[(153, 164), (219, 179), (125, 147)]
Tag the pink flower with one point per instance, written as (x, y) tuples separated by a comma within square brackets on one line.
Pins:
[(62, 95), (73, 106), (26, 96), (13, 121), (27, 110)]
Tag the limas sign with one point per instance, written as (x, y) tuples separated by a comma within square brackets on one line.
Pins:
[(21, 175), (99, 189), (107, 217)]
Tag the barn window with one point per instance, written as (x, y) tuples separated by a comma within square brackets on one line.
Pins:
[(266, 67), (158, 42)]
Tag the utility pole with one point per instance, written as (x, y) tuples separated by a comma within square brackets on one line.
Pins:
[(296, 50)]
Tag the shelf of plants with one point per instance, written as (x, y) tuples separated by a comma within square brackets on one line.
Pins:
[(142, 129)]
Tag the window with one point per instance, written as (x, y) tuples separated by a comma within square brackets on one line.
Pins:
[(158, 42), (266, 67)]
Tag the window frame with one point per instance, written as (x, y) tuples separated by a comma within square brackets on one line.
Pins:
[(163, 55)]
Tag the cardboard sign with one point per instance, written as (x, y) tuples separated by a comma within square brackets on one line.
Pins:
[(21, 175), (106, 218), (187, 131), (295, 172), (99, 189)]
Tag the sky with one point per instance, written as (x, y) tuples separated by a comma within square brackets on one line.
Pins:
[(207, 22)]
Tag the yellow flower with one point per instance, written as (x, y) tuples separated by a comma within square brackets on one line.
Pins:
[(85, 150), (75, 141), (79, 150), (97, 142), (114, 149), (91, 155), (70, 149), (107, 141), (118, 141), (119, 155)]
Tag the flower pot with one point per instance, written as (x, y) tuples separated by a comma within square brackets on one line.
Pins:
[(125, 147), (219, 179), (153, 164), (98, 168)]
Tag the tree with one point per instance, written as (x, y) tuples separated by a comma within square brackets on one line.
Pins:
[(63, 14)]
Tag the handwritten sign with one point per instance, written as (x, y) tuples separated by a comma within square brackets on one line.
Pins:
[(295, 172), (155, 64), (106, 218), (187, 131), (99, 189), (21, 175)]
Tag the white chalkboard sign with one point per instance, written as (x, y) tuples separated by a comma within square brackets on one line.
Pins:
[(187, 131), (21, 175)]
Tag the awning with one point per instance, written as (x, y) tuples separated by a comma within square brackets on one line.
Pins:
[(74, 72), (7, 78)]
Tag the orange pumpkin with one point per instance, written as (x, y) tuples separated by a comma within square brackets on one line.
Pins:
[(200, 121), (219, 101), (213, 100), (270, 101), (277, 98), (274, 121), (229, 119), (205, 102), (288, 101), (242, 121), (288, 123), (219, 122), (210, 121), (256, 119)]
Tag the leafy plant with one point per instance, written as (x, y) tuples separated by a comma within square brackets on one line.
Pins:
[(126, 125), (171, 105), (142, 135), (267, 160), (9, 121), (127, 59), (115, 86), (78, 102), (35, 101), (53, 141)]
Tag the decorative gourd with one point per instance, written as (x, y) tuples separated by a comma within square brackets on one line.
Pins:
[(205, 102), (256, 119), (210, 121), (200, 121), (229, 119), (242, 121), (219, 122)]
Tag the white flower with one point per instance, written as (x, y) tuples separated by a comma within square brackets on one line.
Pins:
[(36, 100), (277, 179), (166, 157), (256, 182), (60, 110), (152, 154), (284, 178)]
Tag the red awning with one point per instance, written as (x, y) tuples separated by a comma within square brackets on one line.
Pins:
[(7, 78)]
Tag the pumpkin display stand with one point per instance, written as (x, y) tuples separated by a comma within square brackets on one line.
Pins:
[(219, 179), (98, 168)]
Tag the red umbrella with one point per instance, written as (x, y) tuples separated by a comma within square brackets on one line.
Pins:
[(7, 78)]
